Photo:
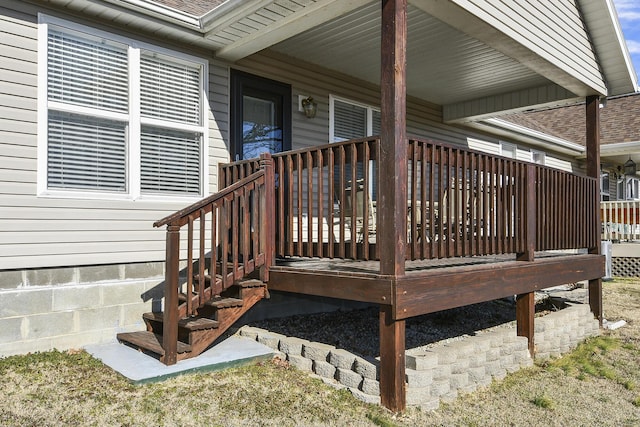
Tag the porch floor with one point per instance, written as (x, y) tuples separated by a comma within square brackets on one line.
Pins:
[(412, 267)]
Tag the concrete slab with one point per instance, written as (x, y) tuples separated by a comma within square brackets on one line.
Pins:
[(140, 368)]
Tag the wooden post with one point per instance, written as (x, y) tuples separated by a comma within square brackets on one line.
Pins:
[(267, 208), (529, 215), (392, 155), (170, 316), (392, 194), (525, 313), (593, 171), (392, 363)]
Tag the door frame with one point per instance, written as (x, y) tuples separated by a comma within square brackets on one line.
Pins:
[(240, 80)]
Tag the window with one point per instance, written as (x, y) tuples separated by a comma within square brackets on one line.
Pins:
[(118, 118), (508, 150), (349, 120), (538, 157), (604, 186), (632, 191)]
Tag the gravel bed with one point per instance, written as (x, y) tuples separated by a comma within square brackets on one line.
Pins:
[(357, 330)]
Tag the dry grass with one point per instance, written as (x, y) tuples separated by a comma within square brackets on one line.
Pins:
[(598, 384)]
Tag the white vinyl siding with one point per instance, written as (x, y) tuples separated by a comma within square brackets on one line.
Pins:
[(123, 118), (38, 232), (553, 29)]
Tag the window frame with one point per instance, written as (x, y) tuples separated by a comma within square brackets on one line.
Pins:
[(369, 115), (134, 119)]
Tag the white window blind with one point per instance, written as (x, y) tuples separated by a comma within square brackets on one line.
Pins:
[(86, 153), (107, 132), (349, 121), (170, 161), (87, 72), (170, 90)]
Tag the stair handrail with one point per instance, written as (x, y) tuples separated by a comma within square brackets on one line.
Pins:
[(181, 217), (198, 211)]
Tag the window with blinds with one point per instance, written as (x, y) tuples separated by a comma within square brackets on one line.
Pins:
[(107, 133), (350, 120)]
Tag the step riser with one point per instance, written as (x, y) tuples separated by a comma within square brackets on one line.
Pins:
[(199, 340)]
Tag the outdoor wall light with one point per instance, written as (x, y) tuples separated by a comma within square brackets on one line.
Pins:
[(309, 107), (629, 167)]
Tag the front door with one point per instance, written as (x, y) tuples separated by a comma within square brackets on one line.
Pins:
[(260, 116)]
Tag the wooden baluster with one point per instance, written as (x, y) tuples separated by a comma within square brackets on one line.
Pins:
[(201, 260), (170, 315), (331, 200), (319, 162), (190, 266)]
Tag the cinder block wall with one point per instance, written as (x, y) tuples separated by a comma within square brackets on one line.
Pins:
[(444, 370), (72, 307), (66, 308)]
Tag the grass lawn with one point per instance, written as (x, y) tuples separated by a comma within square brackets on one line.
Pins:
[(597, 384)]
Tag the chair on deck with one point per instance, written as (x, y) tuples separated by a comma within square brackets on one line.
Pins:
[(355, 219)]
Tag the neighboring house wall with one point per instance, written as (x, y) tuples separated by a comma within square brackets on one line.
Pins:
[(77, 270)]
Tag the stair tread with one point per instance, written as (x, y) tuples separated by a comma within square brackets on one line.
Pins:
[(207, 277), (225, 302), (149, 341), (250, 283), (190, 323)]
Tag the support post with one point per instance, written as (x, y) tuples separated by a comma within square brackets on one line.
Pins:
[(170, 316), (392, 150), (525, 313), (593, 171), (267, 209), (392, 361), (529, 216), (392, 194)]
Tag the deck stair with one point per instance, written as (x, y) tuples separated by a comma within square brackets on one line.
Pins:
[(229, 249), (198, 332)]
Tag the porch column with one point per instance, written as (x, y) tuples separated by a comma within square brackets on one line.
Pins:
[(392, 156), (392, 195), (593, 170)]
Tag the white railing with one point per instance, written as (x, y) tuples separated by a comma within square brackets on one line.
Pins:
[(620, 220)]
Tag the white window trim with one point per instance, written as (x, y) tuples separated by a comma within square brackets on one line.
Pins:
[(539, 153), (370, 109), (513, 147), (134, 118)]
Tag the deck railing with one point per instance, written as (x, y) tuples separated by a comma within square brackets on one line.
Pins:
[(227, 239), (620, 220), (460, 202)]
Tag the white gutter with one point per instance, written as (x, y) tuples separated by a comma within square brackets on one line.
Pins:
[(528, 132)]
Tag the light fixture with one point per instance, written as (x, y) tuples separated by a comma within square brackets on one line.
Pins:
[(309, 107), (629, 167)]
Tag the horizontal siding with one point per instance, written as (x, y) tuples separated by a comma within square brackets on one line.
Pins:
[(48, 231), (553, 29)]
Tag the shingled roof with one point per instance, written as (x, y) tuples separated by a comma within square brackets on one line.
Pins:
[(192, 7), (619, 121)]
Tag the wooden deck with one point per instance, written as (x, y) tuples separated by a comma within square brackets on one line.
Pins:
[(432, 285)]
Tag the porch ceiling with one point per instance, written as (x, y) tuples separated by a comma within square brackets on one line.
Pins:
[(444, 64), (474, 63)]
